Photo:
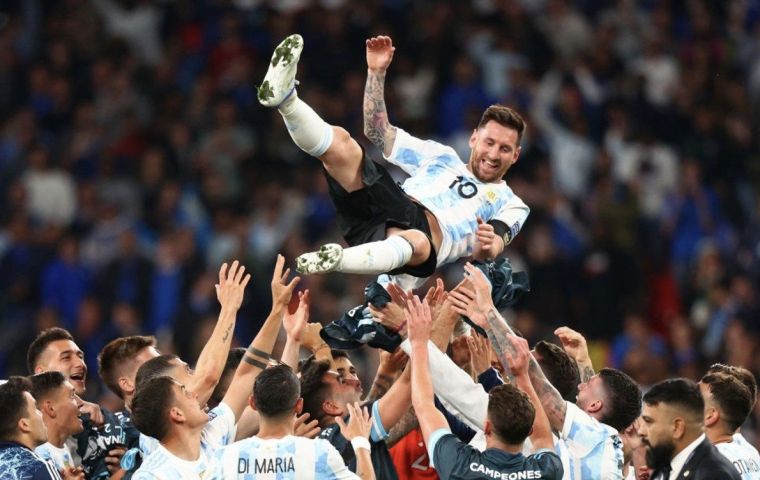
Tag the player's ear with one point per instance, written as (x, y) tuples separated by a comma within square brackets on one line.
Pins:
[(473, 138), (126, 385), (594, 406), (252, 401), (488, 427), (711, 417), (176, 415), (332, 408), (299, 406)]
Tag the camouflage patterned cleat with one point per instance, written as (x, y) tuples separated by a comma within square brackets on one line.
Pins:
[(280, 80), (324, 260)]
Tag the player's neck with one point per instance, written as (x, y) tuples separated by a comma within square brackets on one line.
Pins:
[(274, 429), (716, 434), (184, 443), (492, 442), (56, 436)]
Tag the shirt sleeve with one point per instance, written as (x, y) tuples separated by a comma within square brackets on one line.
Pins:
[(377, 433), (410, 153), (490, 379), (577, 421), (336, 465), (549, 463), (513, 214), (458, 393), (447, 453), (220, 430), (458, 427), (45, 470)]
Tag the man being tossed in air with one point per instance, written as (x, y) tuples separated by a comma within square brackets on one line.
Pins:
[(445, 210)]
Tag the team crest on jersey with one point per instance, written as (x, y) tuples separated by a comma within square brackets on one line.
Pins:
[(491, 196)]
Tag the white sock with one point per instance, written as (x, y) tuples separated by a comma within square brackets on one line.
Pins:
[(376, 257), (307, 129)]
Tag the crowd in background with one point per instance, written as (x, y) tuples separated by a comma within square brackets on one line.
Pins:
[(135, 159)]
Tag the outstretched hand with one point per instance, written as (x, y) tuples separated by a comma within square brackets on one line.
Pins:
[(295, 322), (520, 360), (359, 422), (281, 289), (472, 297), (573, 343), (379, 53), (418, 320), (231, 286)]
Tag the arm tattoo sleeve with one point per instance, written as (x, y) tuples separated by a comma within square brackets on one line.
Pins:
[(586, 373), (552, 401), (407, 423), (380, 386), (377, 128)]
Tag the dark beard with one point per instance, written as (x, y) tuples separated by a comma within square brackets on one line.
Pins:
[(659, 456)]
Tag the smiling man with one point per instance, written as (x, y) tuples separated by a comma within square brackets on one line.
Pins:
[(445, 210), (101, 444)]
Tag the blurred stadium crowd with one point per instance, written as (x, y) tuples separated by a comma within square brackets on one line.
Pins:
[(135, 159)]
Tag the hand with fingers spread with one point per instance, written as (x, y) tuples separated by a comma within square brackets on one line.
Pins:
[(435, 297), (391, 316), (379, 53), (359, 422), (282, 290), (480, 352), (399, 296), (472, 299), (295, 323), (487, 243), (418, 320), (231, 286), (519, 360), (392, 362), (305, 428)]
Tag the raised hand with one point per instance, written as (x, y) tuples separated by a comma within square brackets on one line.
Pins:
[(281, 289), (472, 297), (379, 53), (295, 322), (418, 321), (304, 428), (435, 297), (359, 422), (573, 342), (480, 352), (390, 316), (231, 286), (519, 360)]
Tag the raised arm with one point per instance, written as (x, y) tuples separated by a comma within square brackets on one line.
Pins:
[(575, 345), (295, 324), (476, 303), (211, 361), (377, 127), (541, 436), (260, 350)]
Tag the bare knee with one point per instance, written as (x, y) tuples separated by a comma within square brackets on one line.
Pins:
[(419, 241), (343, 151)]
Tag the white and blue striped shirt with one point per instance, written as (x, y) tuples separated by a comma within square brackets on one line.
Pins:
[(440, 181), (589, 448), (161, 464), (287, 458), (742, 455), (62, 458)]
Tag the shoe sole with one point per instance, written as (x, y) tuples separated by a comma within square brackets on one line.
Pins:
[(324, 260), (280, 78)]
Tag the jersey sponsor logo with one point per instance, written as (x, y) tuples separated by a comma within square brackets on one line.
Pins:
[(490, 472), (464, 189), (266, 465)]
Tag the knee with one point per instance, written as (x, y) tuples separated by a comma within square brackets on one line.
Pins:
[(343, 148), (420, 242)]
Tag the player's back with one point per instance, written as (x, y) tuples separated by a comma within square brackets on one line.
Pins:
[(285, 458), (743, 456)]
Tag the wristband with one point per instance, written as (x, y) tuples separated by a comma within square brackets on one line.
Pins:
[(260, 353), (359, 443)]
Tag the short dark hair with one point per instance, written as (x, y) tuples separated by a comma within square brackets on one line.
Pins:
[(623, 403), (230, 366), (276, 391), (314, 389), (511, 413), (155, 367), (151, 405), (13, 406), (335, 353), (741, 374), (504, 116), (117, 353), (559, 368), (678, 392), (45, 383), (731, 396), (45, 338)]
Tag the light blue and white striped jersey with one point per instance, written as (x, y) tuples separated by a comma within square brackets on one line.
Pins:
[(589, 448), (743, 456), (218, 432), (60, 457), (161, 464), (287, 458), (440, 181)]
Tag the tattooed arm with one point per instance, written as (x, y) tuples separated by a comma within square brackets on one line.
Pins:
[(407, 423), (575, 345), (229, 292), (476, 303), (377, 128)]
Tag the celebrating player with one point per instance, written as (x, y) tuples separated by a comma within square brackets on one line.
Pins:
[(445, 210)]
